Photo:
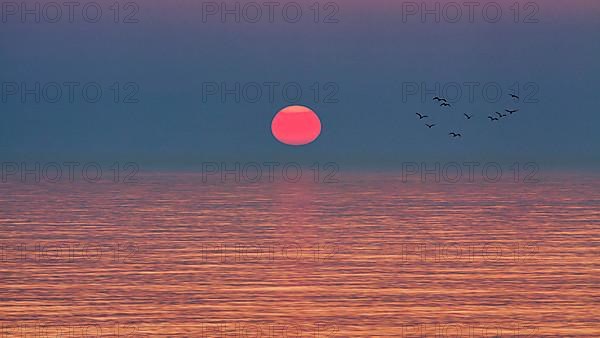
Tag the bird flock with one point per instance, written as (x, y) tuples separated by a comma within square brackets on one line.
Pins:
[(497, 116)]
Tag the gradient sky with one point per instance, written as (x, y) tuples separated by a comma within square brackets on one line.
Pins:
[(369, 54)]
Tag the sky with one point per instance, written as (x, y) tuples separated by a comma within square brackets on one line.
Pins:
[(180, 81)]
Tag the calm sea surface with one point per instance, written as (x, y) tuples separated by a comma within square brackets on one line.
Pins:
[(369, 256)]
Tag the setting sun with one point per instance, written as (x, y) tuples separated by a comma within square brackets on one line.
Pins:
[(296, 126)]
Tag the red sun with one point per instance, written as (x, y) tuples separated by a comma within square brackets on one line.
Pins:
[(296, 126)]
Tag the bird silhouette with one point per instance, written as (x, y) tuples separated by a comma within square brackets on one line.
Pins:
[(501, 115), (438, 99), (455, 135), (511, 111), (514, 96), (430, 125), (468, 116), (422, 116), (492, 118), (445, 104)]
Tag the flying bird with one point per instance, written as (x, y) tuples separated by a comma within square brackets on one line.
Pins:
[(468, 116), (421, 116), (455, 135), (511, 111), (514, 96), (430, 125), (492, 118), (501, 115), (445, 104), (438, 99)]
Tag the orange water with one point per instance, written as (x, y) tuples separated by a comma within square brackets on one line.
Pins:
[(367, 257)]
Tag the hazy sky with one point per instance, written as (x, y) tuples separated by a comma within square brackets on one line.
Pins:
[(362, 68)]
